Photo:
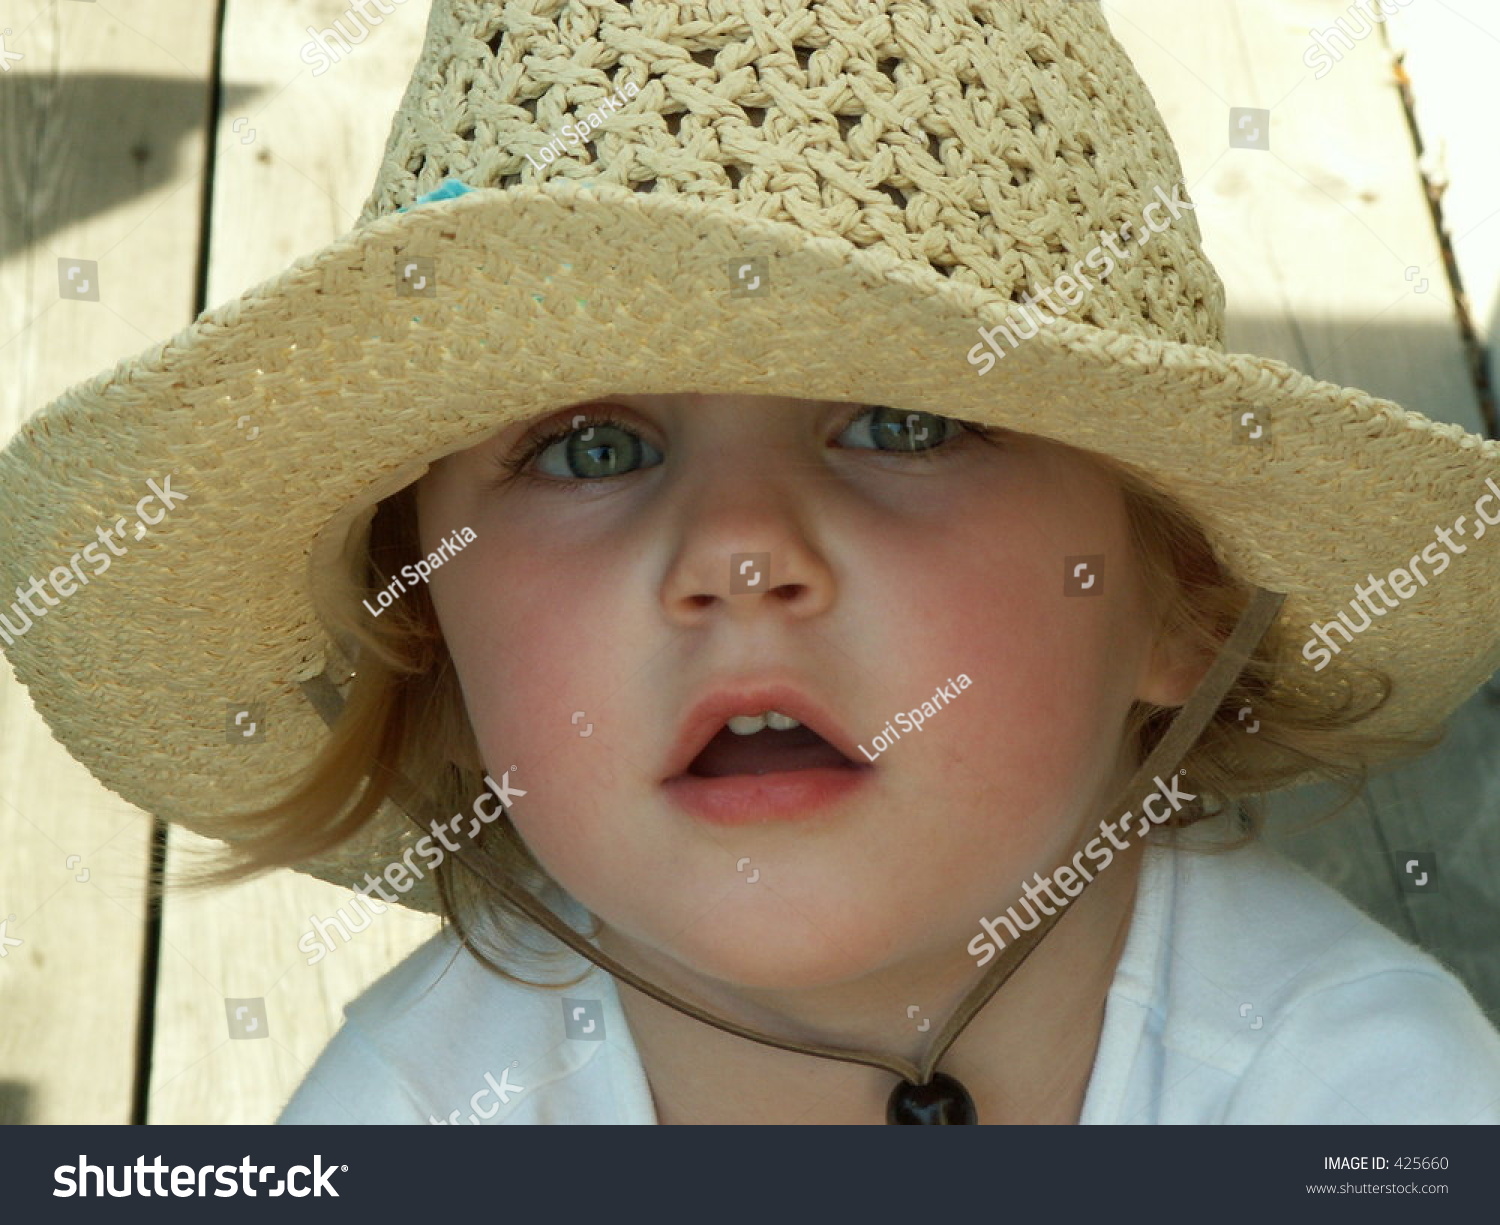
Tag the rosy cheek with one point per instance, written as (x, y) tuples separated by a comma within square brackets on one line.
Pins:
[(509, 647), (544, 643), (1048, 671)]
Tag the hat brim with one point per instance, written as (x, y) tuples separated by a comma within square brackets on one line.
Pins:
[(286, 414)]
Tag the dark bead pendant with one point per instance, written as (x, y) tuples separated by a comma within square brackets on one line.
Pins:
[(940, 1100)]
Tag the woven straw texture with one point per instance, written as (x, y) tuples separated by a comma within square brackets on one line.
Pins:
[(985, 140), (903, 171)]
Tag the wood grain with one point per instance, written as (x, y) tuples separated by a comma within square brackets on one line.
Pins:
[(288, 180), (1324, 243), (103, 157)]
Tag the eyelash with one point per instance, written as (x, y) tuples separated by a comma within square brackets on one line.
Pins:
[(538, 443), (517, 465)]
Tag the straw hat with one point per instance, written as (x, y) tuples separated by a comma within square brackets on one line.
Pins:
[(768, 197)]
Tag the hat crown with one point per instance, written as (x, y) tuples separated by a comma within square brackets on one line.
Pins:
[(1006, 143)]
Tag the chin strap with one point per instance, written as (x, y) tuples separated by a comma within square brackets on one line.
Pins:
[(1179, 737), (1181, 734)]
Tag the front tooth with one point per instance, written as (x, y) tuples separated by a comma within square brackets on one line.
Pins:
[(747, 725), (779, 722)]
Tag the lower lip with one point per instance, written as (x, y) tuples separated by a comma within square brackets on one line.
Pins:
[(752, 799)]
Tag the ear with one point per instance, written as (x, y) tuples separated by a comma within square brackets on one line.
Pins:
[(1174, 668)]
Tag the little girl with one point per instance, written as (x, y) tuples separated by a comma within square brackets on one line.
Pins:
[(672, 581)]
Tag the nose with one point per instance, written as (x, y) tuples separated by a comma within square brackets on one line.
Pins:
[(748, 548)]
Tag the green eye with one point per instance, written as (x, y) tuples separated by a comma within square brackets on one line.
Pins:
[(891, 429), (596, 450), (602, 448)]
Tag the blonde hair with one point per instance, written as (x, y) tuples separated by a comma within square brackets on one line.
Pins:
[(404, 719)]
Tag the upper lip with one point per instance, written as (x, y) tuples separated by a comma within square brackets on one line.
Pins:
[(710, 714)]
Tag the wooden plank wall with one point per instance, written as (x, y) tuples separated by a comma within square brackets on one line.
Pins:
[(1449, 51), (124, 193), (108, 164), (1313, 238), (289, 180), (1327, 248)]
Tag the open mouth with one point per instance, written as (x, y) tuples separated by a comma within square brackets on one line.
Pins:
[(752, 755), (766, 751)]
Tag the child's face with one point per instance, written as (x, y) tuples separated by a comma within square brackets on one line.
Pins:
[(891, 572)]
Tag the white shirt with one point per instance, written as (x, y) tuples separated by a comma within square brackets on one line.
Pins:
[(1247, 992)]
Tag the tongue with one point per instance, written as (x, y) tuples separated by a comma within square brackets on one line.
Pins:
[(766, 752)]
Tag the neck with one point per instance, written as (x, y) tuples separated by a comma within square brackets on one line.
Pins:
[(1025, 1058)]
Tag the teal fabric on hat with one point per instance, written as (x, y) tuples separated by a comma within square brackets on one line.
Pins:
[(449, 189)]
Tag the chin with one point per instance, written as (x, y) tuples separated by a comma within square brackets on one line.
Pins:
[(776, 956)]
